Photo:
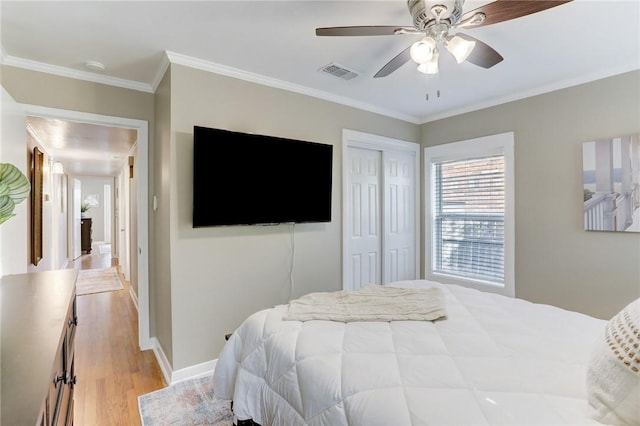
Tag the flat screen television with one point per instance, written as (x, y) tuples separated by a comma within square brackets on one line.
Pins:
[(247, 179)]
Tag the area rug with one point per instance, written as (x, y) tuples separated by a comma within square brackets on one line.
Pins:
[(186, 403), (97, 281)]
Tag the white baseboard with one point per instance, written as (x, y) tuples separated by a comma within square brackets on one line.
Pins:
[(134, 297), (172, 377), (163, 362), (193, 371)]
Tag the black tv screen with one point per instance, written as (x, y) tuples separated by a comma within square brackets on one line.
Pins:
[(247, 179)]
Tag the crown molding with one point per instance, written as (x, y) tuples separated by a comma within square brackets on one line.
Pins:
[(191, 62), (34, 134), (162, 69), (541, 90), (76, 74)]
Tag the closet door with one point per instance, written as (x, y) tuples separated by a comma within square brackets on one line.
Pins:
[(362, 227), (399, 233), (380, 218)]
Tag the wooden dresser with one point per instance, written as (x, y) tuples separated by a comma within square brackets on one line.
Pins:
[(38, 324)]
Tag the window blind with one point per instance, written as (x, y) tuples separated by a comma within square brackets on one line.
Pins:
[(469, 210)]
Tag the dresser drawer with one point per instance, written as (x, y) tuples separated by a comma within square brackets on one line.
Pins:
[(70, 334), (56, 387)]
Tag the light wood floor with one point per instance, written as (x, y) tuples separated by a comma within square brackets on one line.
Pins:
[(112, 371)]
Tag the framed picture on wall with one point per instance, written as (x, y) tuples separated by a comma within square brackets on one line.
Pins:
[(611, 184), (36, 205)]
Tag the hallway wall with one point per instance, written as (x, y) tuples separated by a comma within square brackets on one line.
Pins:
[(13, 241)]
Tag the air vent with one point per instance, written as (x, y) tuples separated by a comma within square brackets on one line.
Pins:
[(339, 71)]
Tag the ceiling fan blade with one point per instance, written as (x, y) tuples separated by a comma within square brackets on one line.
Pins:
[(505, 10), (482, 54), (365, 31), (400, 59)]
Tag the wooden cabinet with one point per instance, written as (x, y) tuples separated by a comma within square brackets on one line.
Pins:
[(85, 233), (38, 321), (63, 377)]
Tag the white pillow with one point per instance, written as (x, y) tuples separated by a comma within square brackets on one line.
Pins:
[(613, 372)]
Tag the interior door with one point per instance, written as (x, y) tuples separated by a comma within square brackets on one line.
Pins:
[(363, 225), (107, 213), (76, 218), (399, 216), (124, 254)]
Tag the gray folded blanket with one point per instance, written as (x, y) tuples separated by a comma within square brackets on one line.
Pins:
[(370, 303)]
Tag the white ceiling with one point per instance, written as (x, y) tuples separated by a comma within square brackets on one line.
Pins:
[(82, 148), (274, 42)]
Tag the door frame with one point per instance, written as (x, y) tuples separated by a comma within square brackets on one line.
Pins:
[(142, 165), (74, 218), (355, 139)]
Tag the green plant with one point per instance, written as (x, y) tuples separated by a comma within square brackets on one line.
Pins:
[(84, 207), (14, 188)]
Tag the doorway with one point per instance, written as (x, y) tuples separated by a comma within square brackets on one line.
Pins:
[(381, 230), (140, 253)]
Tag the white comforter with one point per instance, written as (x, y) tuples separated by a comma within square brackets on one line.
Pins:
[(495, 360)]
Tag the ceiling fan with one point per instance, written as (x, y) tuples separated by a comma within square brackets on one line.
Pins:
[(436, 19)]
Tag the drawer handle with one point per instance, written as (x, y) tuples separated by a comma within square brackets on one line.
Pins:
[(72, 381), (73, 321), (61, 378)]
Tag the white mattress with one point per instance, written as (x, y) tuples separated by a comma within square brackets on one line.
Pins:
[(495, 360)]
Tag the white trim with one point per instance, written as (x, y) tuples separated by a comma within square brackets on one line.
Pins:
[(134, 297), (188, 61), (77, 74), (37, 138), (193, 371), (142, 127), (163, 362), (172, 377), (352, 138), (502, 143), (142, 189)]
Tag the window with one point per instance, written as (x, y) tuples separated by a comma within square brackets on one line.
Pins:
[(470, 213)]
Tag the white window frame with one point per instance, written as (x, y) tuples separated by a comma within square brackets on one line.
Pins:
[(500, 144)]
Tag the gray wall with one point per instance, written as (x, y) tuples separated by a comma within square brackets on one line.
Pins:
[(557, 262), (221, 275), (37, 88)]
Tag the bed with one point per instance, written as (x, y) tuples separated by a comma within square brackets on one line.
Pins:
[(493, 360)]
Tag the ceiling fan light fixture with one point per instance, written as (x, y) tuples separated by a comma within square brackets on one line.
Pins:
[(460, 48), (422, 51), (431, 66)]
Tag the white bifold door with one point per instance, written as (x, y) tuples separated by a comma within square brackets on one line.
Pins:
[(381, 235)]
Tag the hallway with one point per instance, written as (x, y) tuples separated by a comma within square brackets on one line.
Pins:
[(112, 371)]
